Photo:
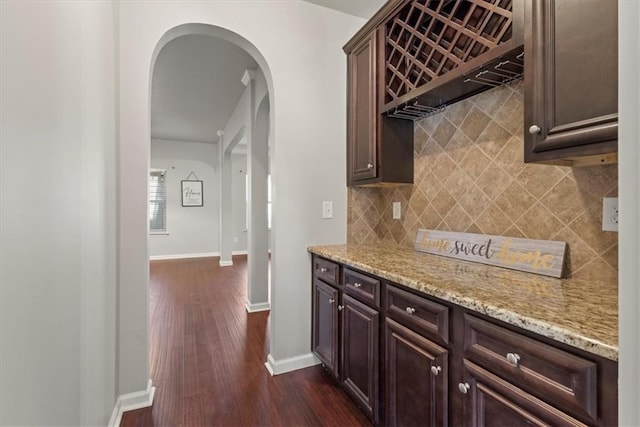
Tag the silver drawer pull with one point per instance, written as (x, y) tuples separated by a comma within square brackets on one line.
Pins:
[(323, 270), (435, 370), (331, 300), (464, 387), (357, 285), (369, 166), (513, 359), (534, 129), (410, 310), (340, 307)]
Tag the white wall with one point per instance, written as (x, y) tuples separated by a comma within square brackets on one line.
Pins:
[(239, 200), (239, 205), (298, 46), (196, 230), (629, 238), (191, 230), (57, 213)]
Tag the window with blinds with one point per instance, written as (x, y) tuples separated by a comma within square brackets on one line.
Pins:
[(157, 201)]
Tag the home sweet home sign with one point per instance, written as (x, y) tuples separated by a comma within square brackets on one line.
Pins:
[(543, 257)]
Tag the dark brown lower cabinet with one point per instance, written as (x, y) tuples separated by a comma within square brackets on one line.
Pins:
[(416, 376), (491, 401), (360, 349), (408, 359), (325, 325)]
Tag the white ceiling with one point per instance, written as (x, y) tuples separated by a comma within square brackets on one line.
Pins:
[(362, 8), (196, 80), (195, 88)]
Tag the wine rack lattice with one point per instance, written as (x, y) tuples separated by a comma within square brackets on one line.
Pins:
[(428, 38)]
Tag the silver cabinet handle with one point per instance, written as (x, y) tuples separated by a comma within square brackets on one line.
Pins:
[(513, 359), (534, 129), (357, 285), (369, 166), (464, 387), (410, 310), (323, 270), (331, 300), (340, 307), (435, 370)]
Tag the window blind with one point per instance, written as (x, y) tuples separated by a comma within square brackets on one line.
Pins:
[(157, 202)]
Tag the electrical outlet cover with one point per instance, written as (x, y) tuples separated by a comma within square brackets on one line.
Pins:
[(397, 210), (610, 214), (327, 210)]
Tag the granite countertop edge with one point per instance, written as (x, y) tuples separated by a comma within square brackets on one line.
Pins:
[(428, 287)]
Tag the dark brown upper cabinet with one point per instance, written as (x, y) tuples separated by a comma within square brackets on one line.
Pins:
[(362, 110), (413, 58), (379, 149), (571, 82)]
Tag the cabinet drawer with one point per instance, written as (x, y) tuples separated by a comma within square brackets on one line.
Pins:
[(563, 379), (363, 287), (326, 270), (492, 401), (422, 315)]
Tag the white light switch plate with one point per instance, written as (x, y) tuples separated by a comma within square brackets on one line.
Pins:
[(327, 210), (397, 210), (610, 214)]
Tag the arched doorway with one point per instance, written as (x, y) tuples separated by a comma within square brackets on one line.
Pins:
[(252, 123)]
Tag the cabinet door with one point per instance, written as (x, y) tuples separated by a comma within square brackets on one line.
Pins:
[(416, 375), (491, 401), (362, 112), (571, 81), (325, 325), (360, 347)]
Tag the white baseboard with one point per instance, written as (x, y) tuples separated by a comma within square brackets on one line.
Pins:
[(130, 402), (225, 263), (277, 367), (183, 256), (261, 306), (194, 255)]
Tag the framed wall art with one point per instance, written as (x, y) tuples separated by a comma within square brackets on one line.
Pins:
[(192, 193)]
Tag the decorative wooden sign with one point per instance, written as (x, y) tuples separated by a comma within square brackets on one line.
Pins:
[(543, 257)]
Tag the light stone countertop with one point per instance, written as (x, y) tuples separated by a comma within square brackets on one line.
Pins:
[(580, 313)]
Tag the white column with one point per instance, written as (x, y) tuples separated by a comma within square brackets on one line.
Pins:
[(258, 234), (226, 214)]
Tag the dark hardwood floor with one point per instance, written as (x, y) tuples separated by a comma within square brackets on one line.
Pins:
[(207, 358)]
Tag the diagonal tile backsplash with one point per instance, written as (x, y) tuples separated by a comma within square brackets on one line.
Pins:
[(470, 176)]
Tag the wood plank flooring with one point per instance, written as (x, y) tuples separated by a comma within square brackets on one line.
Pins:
[(207, 358)]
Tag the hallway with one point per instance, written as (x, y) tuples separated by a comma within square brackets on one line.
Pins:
[(207, 357)]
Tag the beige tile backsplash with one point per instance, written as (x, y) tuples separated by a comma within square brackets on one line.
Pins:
[(470, 176)]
